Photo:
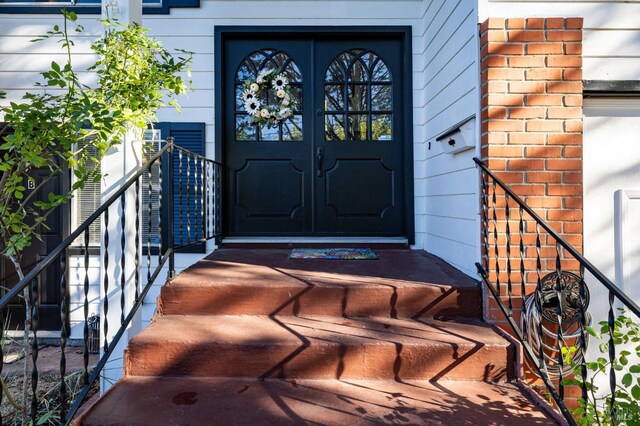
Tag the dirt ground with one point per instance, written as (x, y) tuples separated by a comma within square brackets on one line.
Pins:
[(49, 361), (48, 378)]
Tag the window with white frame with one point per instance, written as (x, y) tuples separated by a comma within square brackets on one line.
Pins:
[(86, 200)]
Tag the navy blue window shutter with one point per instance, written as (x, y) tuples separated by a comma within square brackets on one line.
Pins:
[(188, 223)]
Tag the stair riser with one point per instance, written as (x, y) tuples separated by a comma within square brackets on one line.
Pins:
[(412, 302), (321, 361)]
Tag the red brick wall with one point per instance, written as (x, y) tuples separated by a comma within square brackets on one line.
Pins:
[(532, 123)]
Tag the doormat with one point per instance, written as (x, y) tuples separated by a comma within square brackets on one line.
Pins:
[(334, 254)]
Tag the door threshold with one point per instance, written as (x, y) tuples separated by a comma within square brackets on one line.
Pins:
[(314, 242)]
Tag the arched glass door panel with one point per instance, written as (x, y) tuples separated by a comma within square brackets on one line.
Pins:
[(261, 67), (358, 94)]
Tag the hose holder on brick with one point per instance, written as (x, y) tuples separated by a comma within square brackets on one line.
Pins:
[(541, 320), (459, 137)]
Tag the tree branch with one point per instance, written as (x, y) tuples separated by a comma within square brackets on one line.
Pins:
[(7, 392), (27, 326)]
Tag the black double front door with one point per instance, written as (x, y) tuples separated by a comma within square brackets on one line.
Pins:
[(335, 166)]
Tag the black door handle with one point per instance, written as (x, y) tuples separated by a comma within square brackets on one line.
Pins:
[(319, 158)]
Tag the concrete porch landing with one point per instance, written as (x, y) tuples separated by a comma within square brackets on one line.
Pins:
[(250, 337), (400, 284)]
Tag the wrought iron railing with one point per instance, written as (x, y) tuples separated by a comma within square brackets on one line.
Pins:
[(170, 177), (540, 283)]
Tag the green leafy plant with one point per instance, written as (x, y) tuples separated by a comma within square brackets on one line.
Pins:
[(136, 75), (601, 408), (67, 125)]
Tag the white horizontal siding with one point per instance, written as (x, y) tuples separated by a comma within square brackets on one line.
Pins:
[(600, 68), (451, 205), (612, 54), (76, 292), (456, 253), (446, 88), (611, 34)]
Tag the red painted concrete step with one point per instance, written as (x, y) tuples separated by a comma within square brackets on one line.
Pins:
[(336, 342), (232, 402), (318, 348), (401, 284)]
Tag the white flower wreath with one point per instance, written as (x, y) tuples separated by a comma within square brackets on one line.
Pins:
[(257, 108)]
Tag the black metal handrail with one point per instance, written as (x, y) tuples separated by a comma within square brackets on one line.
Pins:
[(555, 314), (202, 188)]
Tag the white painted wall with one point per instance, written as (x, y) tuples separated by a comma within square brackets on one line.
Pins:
[(611, 31), (612, 178), (76, 292), (446, 92)]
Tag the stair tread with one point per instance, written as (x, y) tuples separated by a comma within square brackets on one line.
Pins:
[(212, 401), (209, 274), (259, 330)]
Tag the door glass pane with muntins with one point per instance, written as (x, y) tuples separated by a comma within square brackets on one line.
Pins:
[(381, 127), (380, 97), (368, 91), (358, 99), (358, 127), (247, 129), (380, 72), (334, 127), (334, 98), (292, 128)]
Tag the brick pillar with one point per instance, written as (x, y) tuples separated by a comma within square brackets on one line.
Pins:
[(532, 121)]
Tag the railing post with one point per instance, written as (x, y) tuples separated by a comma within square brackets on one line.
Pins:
[(170, 210), (119, 165)]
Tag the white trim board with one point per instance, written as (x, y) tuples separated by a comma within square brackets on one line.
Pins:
[(627, 247), (316, 240), (612, 107)]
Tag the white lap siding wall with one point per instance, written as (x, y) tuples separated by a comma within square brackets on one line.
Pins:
[(446, 92)]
